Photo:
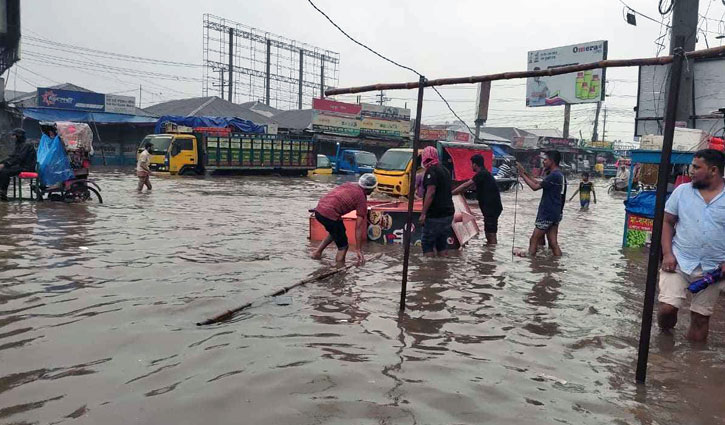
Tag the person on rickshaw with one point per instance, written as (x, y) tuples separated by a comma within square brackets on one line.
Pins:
[(621, 180), (21, 159)]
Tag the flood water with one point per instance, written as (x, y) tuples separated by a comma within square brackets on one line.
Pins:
[(98, 305)]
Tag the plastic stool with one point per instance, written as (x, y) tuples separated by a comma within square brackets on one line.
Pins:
[(18, 184)]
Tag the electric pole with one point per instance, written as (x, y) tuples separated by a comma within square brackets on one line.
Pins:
[(230, 96), (482, 101), (382, 97), (567, 118), (139, 96), (604, 125), (684, 24), (595, 133)]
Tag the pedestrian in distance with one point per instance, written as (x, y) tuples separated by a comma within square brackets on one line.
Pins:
[(585, 191), (488, 195), (550, 206), (338, 202), (143, 172), (693, 243), (22, 158), (437, 213)]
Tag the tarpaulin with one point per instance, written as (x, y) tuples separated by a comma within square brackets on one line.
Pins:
[(52, 114), (498, 152), (53, 164), (642, 204), (238, 124), (461, 158)]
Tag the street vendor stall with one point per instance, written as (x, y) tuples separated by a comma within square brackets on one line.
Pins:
[(640, 206)]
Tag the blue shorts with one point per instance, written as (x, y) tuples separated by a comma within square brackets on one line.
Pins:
[(436, 232), (584, 203)]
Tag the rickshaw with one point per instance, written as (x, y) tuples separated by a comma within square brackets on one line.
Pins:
[(69, 163)]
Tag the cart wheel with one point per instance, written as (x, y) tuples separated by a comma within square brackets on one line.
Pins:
[(90, 194), (611, 189)]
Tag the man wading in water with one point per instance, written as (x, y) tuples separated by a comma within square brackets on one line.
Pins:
[(693, 242), (489, 197), (550, 207), (438, 209), (338, 202)]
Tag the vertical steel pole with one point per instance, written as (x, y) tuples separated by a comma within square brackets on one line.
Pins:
[(269, 64), (567, 119), (411, 192), (662, 179), (322, 76), (231, 65), (302, 61)]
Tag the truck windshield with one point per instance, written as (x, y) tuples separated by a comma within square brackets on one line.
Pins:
[(365, 159), (394, 161), (323, 161), (161, 144)]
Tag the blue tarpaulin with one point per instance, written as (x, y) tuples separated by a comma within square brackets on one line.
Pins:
[(53, 114), (238, 124), (53, 163), (498, 152), (642, 204)]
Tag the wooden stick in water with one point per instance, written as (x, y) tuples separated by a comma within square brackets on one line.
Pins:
[(230, 313)]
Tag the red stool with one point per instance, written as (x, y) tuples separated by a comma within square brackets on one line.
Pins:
[(18, 184)]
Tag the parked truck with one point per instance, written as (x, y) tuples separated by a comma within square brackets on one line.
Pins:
[(196, 151), (353, 161)]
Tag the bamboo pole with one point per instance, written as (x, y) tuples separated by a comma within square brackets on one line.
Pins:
[(221, 317), (609, 63)]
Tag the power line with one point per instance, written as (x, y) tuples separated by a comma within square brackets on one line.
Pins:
[(391, 61)]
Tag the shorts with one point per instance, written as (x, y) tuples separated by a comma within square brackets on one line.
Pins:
[(545, 224), (673, 291), (436, 232), (335, 228), (584, 203), (490, 224)]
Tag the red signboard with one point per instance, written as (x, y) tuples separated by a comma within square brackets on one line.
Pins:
[(637, 222), (430, 134), (336, 107), (462, 137)]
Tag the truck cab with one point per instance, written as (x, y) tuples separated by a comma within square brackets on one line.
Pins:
[(393, 171), (352, 161), (174, 153)]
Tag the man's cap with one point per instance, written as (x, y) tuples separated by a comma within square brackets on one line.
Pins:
[(368, 181), (19, 132)]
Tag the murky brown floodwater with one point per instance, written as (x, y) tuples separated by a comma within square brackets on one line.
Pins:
[(98, 305)]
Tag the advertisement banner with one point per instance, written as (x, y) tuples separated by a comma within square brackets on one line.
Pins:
[(430, 134), (377, 127), (120, 104), (557, 142), (332, 107), (578, 87), (67, 99), (332, 124), (639, 231), (385, 112)]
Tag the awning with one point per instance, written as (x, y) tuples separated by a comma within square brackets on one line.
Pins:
[(498, 152), (52, 114)]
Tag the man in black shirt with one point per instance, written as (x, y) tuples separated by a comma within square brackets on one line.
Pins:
[(438, 209), (489, 198), (22, 159)]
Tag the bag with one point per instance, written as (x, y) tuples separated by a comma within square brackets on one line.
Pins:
[(53, 164)]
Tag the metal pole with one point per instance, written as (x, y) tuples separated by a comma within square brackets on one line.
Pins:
[(139, 96), (322, 77), (604, 125), (302, 62), (595, 133), (567, 119), (230, 97), (662, 179), (411, 193), (684, 23), (269, 64), (221, 88)]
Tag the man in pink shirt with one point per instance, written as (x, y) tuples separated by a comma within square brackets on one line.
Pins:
[(338, 202)]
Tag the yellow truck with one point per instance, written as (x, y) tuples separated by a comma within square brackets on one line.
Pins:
[(393, 171), (199, 152)]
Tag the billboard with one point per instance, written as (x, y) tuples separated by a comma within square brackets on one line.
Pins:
[(579, 87), (120, 104), (67, 99), (349, 119), (86, 101), (708, 95)]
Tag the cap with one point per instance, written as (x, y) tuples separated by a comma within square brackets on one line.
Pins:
[(368, 181), (19, 132)]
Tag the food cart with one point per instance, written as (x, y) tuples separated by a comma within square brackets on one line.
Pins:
[(640, 206)]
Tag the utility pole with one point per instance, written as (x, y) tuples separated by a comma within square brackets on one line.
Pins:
[(567, 119), (595, 133), (322, 77), (604, 125), (267, 75), (482, 101), (302, 74), (139, 96), (684, 24), (382, 98), (231, 65), (221, 88)]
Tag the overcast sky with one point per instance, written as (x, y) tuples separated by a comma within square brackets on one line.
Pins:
[(438, 38)]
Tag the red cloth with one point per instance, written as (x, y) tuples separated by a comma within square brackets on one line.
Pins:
[(343, 199), (461, 158), (429, 157)]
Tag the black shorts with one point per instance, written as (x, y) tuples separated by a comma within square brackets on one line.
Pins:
[(336, 229), (490, 224)]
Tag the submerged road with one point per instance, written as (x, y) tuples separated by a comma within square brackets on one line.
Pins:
[(98, 305)]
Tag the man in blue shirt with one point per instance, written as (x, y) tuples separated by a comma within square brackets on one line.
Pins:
[(693, 242), (551, 205)]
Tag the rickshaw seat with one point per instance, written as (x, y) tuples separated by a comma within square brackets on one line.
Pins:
[(28, 175)]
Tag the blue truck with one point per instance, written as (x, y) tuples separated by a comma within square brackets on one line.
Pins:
[(353, 161)]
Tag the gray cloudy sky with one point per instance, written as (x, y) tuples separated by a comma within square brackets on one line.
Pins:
[(438, 38)]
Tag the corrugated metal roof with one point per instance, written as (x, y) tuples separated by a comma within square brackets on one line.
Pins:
[(297, 119), (210, 106)]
